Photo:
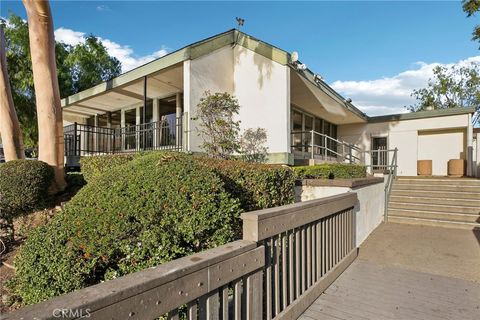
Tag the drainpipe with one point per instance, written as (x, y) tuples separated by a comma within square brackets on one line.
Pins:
[(470, 146)]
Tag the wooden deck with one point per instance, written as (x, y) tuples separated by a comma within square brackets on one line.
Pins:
[(376, 288), (369, 291)]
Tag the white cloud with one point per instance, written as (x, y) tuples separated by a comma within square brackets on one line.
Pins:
[(390, 94), (103, 8), (123, 53)]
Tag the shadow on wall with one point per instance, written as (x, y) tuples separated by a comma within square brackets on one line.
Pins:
[(262, 61)]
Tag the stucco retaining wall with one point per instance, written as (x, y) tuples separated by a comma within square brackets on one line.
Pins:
[(369, 209)]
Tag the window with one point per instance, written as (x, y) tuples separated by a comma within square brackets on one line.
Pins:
[(302, 124)]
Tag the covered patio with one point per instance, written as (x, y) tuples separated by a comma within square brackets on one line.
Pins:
[(139, 110)]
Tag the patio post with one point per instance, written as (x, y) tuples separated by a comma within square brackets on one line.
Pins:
[(156, 120), (144, 129), (178, 123)]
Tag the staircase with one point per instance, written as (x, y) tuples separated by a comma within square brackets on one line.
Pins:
[(447, 202)]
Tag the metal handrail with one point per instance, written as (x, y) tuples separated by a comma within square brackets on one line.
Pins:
[(326, 138), (391, 177)]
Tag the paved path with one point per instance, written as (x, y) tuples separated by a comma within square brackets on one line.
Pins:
[(407, 272)]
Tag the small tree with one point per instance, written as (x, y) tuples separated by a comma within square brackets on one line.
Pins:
[(218, 128), (252, 145), (451, 87)]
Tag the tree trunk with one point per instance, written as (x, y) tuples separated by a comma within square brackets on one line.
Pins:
[(49, 110), (9, 127)]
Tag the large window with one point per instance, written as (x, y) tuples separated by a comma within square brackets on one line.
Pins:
[(302, 125)]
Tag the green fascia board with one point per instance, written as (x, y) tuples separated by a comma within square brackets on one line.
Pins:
[(422, 114), (191, 51), (202, 48)]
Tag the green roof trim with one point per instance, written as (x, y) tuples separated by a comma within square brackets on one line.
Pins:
[(422, 114), (192, 51)]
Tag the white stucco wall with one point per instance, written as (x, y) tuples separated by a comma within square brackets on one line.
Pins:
[(213, 72), (443, 133), (441, 146), (260, 85), (263, 91), (305, 193), (369, 209)]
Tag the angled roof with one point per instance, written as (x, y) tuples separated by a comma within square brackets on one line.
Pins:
[(204, 47)]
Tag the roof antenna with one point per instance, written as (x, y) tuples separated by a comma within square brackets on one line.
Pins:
[(240, 23)]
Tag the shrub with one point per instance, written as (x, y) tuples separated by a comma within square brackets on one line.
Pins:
[(252, 145), (217, 126), (257, 186), (23, 186), (153, 209), (94, 166), (331, 171)]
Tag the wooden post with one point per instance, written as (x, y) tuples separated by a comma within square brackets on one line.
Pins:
[(255, 296)]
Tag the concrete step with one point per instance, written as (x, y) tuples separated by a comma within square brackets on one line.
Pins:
[(442, 187), (413, 198), (434, 215), (433, 207), (436, 194), (435, 223), (439, 181)]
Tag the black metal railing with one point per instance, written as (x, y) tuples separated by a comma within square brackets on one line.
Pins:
[(86, 140)]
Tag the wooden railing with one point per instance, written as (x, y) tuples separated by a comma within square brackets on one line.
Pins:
[(288, 256)]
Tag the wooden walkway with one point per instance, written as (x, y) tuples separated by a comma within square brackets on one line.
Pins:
[(376, 289)]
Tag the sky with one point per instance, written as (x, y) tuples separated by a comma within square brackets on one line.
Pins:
[(374, 52)]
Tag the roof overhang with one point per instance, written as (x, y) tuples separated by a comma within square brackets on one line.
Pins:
[(317, 98), (422, 114)]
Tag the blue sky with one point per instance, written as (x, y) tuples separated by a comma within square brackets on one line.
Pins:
[(353, 45)]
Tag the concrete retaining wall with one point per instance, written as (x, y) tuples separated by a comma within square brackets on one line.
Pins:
[(369, 209)]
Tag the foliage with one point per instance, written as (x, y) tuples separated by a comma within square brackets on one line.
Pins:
[(23, 186), (86, 71), (252, 145), (257, 186), (93, 167), (331, 171), (453, 87), (150, 210), (471, 7), (78, 67), (218, 129)]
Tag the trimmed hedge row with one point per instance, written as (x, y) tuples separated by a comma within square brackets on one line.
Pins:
[(331, 171), (147, 211), (93, 167), (23, 186), (257, 186), (150, 210)]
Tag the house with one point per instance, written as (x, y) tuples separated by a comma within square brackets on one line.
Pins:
[(153, 107)]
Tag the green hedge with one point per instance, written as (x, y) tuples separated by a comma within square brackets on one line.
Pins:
[(150, 210), (331, 171), (94, 166), (257, 186), (23, 186)]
